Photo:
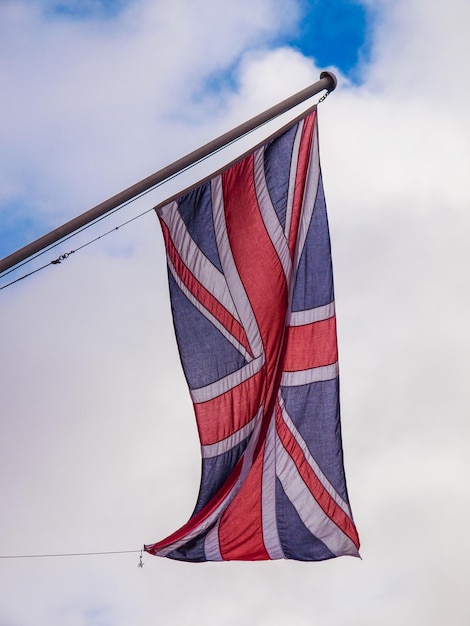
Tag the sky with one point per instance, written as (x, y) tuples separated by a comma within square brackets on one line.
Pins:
[(98, 446)]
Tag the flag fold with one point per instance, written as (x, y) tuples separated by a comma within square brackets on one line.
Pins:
[(251, 289)]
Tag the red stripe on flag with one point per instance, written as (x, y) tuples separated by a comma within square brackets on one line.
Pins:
[(323, 498), (202, 294), (222, 416), (257, 261), (240, 529), (311, 345), (301, 177)]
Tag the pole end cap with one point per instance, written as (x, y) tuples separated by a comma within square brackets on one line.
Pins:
[(332, 78)]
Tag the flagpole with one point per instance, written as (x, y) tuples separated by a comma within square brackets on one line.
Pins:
[(327, 82)]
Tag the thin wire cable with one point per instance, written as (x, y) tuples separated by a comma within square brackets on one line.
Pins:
[(17, 280), (77, 232), (132, 219), (118, 208), (48, 556), (62, 257)]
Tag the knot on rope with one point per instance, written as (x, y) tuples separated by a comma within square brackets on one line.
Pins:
[(62, 257)]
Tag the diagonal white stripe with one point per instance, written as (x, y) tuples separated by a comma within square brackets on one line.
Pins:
[(269, 215), (311, 461), (214, 449), (310, 195), (209, 392), (310, 512), (198, 304), (198, 264), (212, 545), (293, 176), (269, 518)]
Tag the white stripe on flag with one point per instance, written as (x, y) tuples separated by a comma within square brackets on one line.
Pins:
[(202, 309), (212, 545), (310, 196), (269, 215), (268, 496), (314, 375), (197, 262), (217, 388), (318, 314), (293, 176), (311, 461)]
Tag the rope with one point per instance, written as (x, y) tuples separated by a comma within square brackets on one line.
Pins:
[(25, 276), (48, 556), (64, 256)]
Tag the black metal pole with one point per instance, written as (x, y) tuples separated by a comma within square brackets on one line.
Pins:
[(327, 82)]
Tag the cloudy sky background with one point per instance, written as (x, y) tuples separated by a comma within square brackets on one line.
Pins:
[(98, 446)]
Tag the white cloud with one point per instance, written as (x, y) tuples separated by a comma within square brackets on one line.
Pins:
[(86, 103)]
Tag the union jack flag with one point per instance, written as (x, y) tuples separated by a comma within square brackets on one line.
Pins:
[(251, 289)]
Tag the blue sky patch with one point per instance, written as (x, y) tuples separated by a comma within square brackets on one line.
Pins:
[(334, 32)]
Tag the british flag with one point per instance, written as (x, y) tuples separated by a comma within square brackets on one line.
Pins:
[(251, 289)]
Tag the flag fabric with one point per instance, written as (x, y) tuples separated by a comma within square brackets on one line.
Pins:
[(251, 289)]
